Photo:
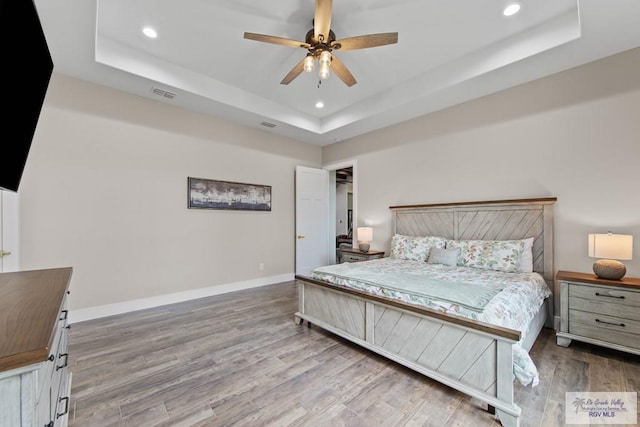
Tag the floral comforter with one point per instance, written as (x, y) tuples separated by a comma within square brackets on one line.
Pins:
[(515, 297)]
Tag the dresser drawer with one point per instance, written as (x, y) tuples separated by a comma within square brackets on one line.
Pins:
[(53, 372), (63, 400), (58, 348)]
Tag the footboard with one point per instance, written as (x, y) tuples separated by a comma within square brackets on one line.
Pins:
[(472, 357)]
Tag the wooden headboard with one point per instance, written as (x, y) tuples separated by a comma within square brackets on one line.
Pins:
[(487, 220)]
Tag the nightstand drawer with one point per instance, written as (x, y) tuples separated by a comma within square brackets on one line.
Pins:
[(606, 328), (352, 258), (611, 323), (602, 300), (601, 294), (354, 255)]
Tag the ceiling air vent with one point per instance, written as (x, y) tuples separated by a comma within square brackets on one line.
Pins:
[(267, 124), (163, 93)]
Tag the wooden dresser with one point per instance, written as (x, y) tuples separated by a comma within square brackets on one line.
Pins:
[(599, 311), (35, 381)]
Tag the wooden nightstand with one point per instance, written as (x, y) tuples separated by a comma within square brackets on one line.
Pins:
[(356, 255), (599, 311)]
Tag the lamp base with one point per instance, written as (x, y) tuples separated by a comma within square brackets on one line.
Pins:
[(609, 269), (363, 246)]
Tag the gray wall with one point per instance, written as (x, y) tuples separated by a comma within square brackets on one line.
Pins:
[(105, 191)]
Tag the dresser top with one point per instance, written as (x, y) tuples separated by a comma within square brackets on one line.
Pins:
[(572, 276), (30, 304)]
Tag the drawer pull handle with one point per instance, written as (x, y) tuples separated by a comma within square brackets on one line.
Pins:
[(598, 294), (66, 359), (610, 323), (66, 407), (51, 358)]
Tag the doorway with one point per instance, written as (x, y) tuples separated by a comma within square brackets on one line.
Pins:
[(344, 209), (343, 204)]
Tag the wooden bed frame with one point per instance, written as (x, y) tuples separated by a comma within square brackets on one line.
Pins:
[(472, 357)]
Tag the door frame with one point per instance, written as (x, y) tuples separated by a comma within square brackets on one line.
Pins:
[(9, 231), (332, 167)]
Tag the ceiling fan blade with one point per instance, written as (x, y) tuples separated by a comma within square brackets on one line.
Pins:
[(295, 72), (276, 40), (322, 20), (340, 70), (363, 42)]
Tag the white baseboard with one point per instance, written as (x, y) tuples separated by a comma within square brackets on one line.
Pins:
[(90, 313)]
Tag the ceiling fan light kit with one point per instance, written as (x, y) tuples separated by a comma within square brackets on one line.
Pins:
[(309, 63), (325, 63), (320, 42)]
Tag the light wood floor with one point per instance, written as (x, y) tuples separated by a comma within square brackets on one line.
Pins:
[(239, 359)]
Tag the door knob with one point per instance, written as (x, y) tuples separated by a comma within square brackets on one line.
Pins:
[(4, 253), (300, 236)]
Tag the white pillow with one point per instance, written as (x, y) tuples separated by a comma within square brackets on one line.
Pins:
[(526, 257), (443, 256)]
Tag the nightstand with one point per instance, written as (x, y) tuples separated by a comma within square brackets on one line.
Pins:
[(356, 255), (599, 311)]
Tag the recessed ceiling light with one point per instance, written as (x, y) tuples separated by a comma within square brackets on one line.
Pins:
[(511, 9), (319, 104), (150, 32)]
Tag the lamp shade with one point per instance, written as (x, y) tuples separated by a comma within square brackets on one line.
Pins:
[(365, 234), (611, 246)]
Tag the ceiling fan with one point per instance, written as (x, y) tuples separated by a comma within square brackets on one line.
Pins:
[(320, 42)]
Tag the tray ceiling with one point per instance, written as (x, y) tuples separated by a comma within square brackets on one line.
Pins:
[(448, 52)]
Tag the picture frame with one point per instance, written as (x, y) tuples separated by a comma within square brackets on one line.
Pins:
[(227, 195)]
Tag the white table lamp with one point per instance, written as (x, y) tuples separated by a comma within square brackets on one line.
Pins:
[(610, 248), (365, 235)]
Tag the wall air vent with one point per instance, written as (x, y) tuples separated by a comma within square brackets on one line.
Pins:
[(267, 124), (163, 93)]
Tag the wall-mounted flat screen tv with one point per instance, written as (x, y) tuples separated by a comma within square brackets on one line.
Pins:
[(25, 72)]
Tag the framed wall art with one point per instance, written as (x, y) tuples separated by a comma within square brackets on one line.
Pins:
[(214, 194)]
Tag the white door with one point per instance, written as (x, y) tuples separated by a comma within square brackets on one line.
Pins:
[(9, 250), (312, 219)]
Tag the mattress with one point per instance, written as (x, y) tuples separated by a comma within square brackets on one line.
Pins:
[(510, 300)]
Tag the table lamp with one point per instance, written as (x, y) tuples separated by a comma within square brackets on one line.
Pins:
[(365, 235), (610, 248)]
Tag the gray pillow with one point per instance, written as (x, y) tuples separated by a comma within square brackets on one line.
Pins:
[(443, 256)]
